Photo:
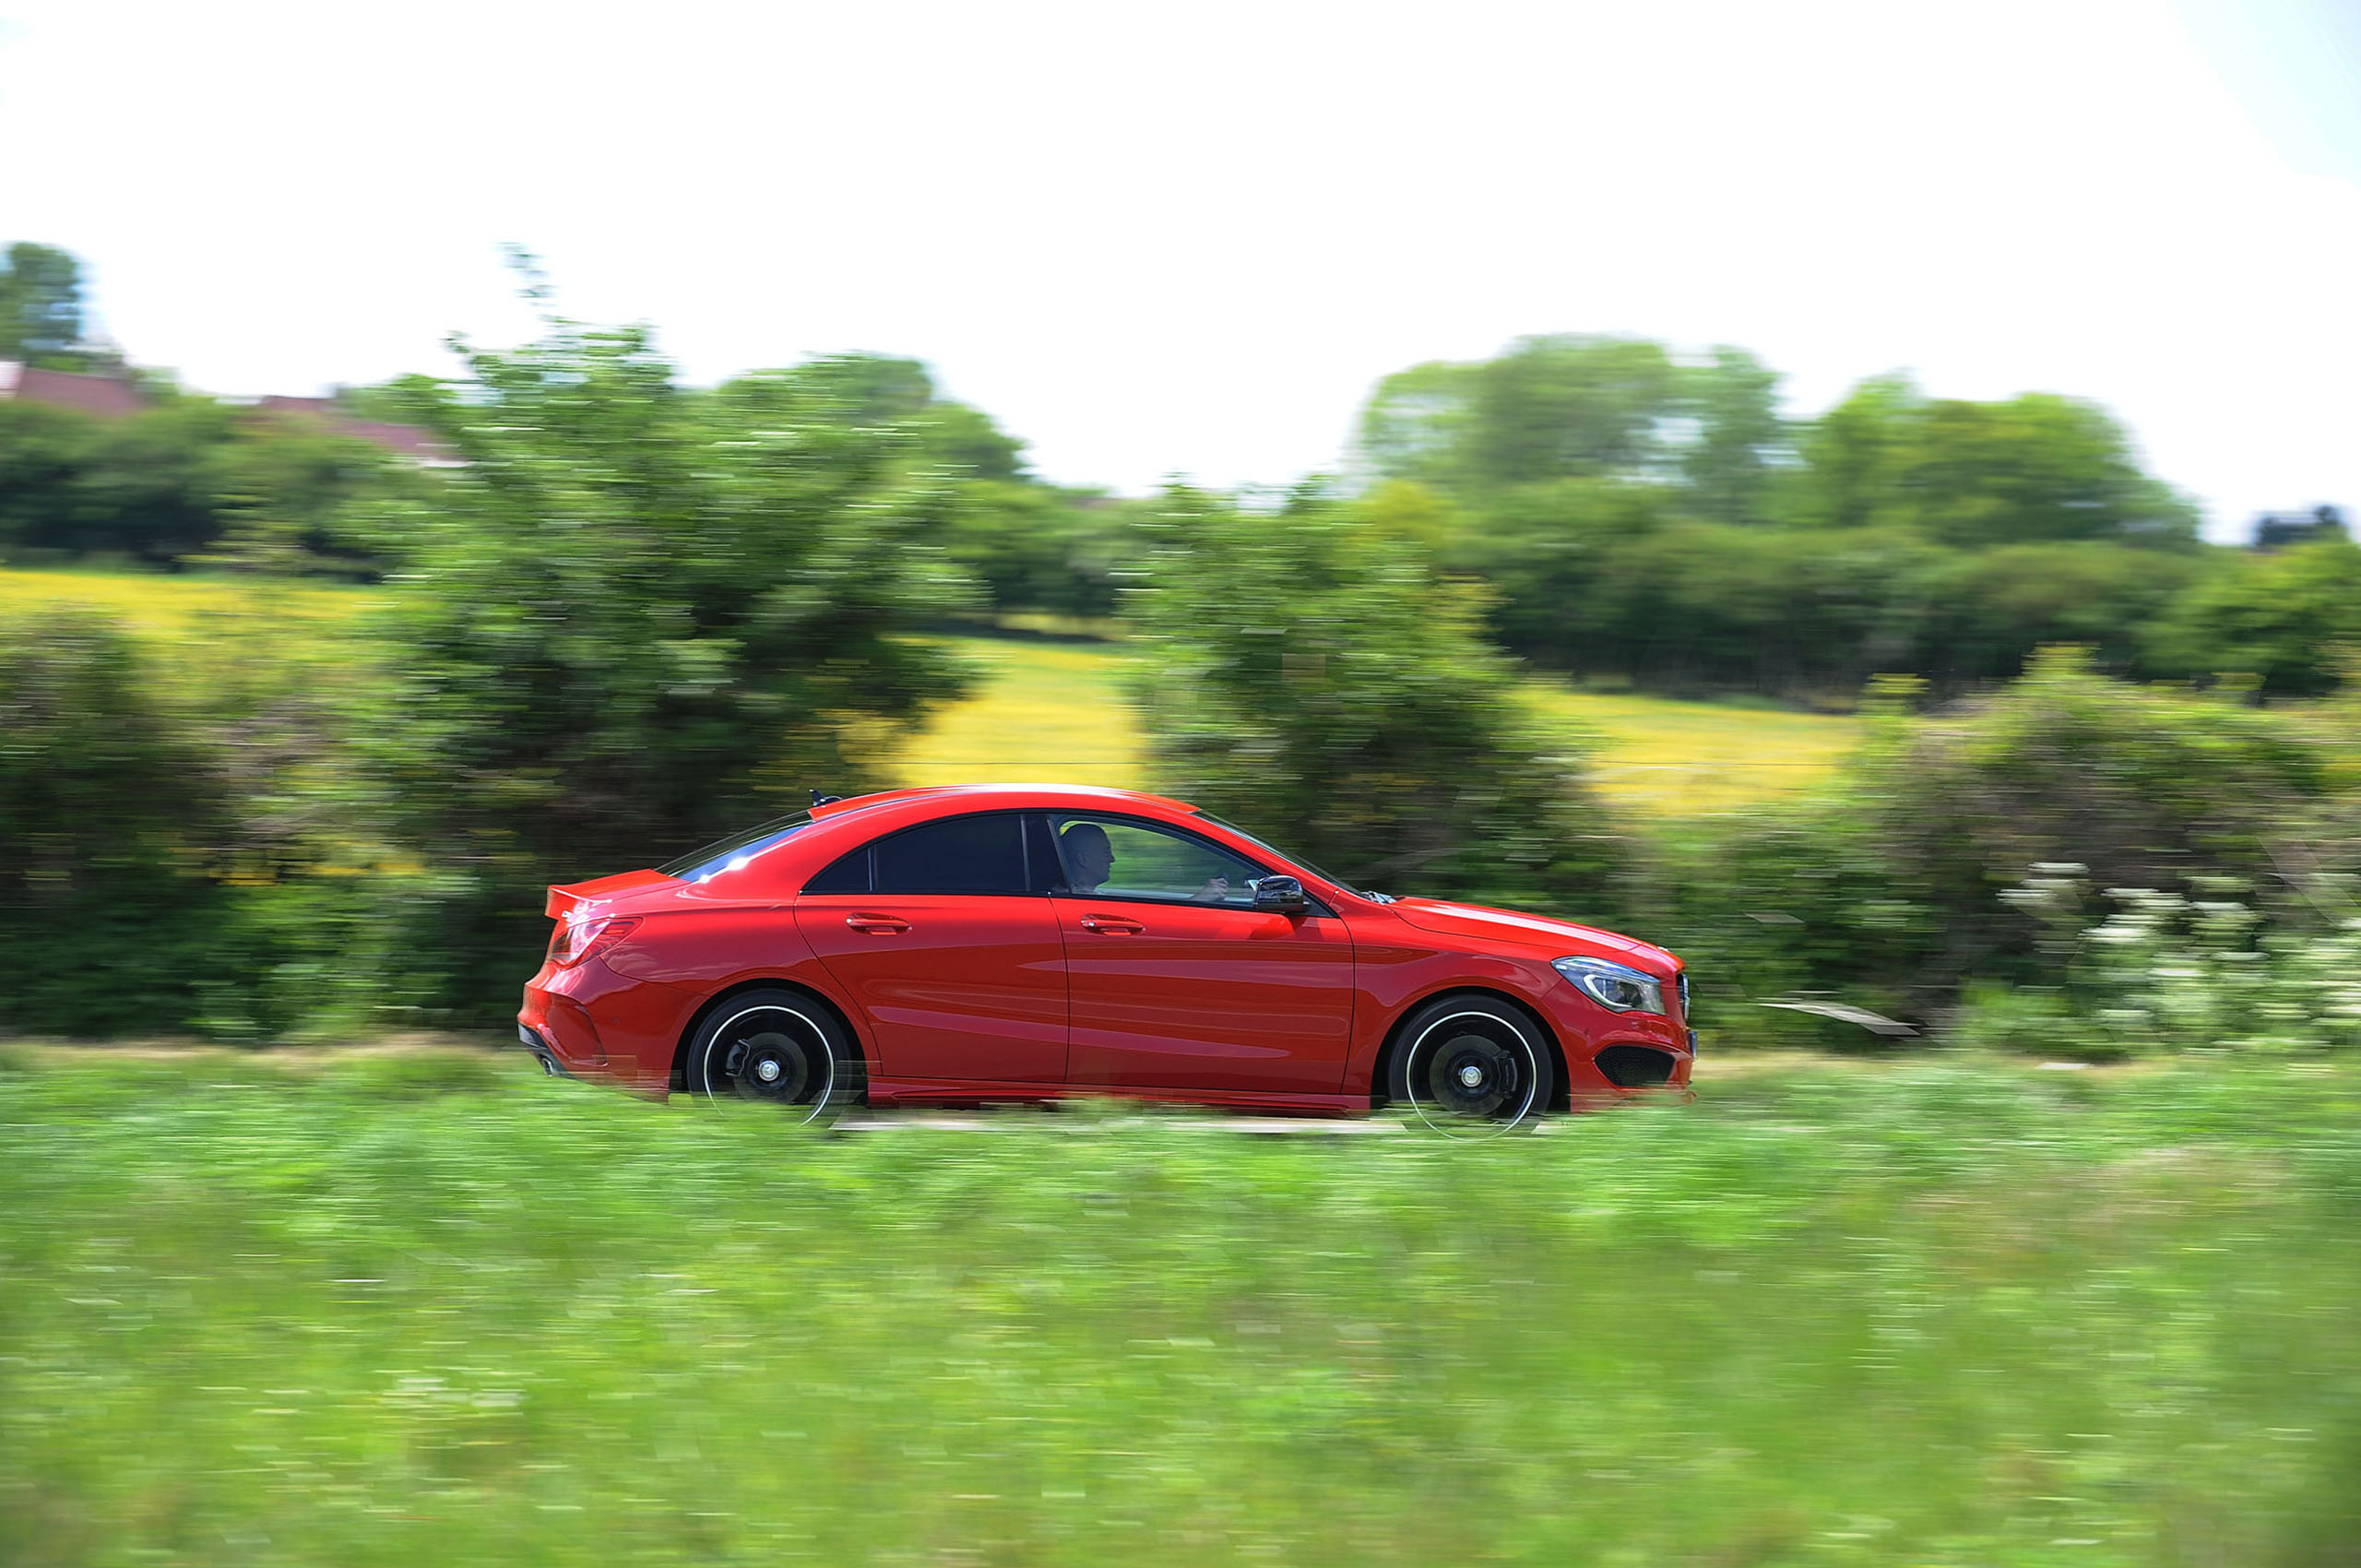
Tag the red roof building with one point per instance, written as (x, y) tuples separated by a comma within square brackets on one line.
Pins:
[(108, 396), (402, 440)]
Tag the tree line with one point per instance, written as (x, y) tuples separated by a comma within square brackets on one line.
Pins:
[(1628, 513)]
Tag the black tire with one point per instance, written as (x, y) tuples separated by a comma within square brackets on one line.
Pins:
[(776, 1048), (1471, 1067)]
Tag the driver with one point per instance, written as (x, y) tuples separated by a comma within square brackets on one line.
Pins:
[(1088, 854)]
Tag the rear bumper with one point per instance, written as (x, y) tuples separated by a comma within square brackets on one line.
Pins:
[(556, 1028), (530, 1038)]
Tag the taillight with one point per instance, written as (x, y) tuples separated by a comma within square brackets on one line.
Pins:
[(570, 944)]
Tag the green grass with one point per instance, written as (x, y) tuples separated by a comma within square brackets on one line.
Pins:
[(422, 1310)]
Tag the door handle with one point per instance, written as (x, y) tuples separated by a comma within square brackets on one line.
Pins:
[(878, 926), (1111, 925)]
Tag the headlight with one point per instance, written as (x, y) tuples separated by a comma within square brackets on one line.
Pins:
[(1616, 986)]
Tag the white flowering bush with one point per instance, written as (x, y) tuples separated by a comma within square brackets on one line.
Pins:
[(2167, 972)]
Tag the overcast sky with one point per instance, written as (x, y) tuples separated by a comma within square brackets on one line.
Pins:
[(1187, 238)]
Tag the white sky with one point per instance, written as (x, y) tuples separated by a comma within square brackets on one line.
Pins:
[(1187, 238)]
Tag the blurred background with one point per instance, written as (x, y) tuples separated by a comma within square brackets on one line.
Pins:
[(1858, 495)]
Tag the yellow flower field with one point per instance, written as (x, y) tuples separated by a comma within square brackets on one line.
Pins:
[(1054, 712)]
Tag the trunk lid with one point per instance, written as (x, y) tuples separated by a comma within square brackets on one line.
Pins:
[(565, 900)]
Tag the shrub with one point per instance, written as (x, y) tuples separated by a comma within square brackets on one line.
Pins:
[(638, 619), (1888, 890), (2168, 972), (152, 880), (1309, 678)]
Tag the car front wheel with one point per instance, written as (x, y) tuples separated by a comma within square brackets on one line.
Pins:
[(1471, 1067), (776, 1048)]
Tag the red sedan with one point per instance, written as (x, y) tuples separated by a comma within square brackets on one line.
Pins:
[(1030, 942)]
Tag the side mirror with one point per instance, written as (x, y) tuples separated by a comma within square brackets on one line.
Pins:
[(1280, 895)]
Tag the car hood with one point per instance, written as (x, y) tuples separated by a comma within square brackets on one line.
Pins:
[(1531, 930)]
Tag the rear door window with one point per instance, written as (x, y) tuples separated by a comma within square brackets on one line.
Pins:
[(979, 854)]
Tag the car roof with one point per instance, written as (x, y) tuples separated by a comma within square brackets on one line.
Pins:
[(1072, 794)]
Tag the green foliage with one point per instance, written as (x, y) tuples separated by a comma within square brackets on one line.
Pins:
[(1550, 407), (152, 484), (256, 1313), (2030, 468), (1657, 520), (187, 481), (1028, 546), (41, 306), (1033, 548), (45, 452), (165, 865), (1604, 577), (2168, 972), (2287, 622), (889, 404), (1891, 892), (285, 490), (1309, 678), (1741, 444), (639, 618)]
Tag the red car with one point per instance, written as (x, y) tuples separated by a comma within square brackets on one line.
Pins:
[(1030, 942)]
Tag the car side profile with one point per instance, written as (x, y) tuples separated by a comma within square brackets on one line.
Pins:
[(963, 944)]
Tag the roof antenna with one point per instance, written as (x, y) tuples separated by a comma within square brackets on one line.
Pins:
[(820, 800)]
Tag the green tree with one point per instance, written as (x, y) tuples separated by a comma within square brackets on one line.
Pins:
[(153, 483), (1550, 407), (45, 452), (638, 618), (285, 491), (2288, 619), (1741, 444), (40, 305), (1854, 454), (887, 398), (2032, 468), (1306, 676)]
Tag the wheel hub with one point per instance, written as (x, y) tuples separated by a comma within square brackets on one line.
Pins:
[(1472, 1076), (767, 1069)]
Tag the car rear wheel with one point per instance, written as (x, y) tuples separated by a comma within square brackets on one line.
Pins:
[(1471, 1067), (779, 1049)]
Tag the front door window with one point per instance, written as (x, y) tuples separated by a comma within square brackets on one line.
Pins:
[(1116, 858)]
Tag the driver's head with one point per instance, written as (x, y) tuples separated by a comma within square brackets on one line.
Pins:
[(1087, 852)]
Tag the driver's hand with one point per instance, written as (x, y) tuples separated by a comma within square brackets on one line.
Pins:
[(1215, 889)]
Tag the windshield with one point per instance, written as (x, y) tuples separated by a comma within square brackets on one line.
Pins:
[(735, 851), (1294, 859)]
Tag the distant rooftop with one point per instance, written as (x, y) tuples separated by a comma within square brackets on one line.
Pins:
[(108, 397), (402, 440)]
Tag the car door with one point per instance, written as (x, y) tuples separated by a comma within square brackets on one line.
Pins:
[(1174, 980), (953, 962)]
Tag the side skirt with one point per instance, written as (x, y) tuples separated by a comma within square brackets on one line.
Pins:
[(954, 1091)]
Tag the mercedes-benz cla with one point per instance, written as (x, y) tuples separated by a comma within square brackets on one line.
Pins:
[(1032, 942)]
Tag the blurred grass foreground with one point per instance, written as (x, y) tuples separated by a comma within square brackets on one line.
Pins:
[(417, 1309)]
